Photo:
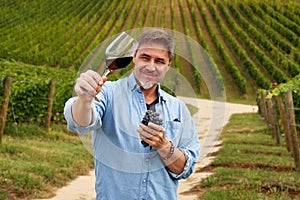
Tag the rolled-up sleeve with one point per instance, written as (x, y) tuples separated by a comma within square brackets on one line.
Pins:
[(73, 126), (188, 168)]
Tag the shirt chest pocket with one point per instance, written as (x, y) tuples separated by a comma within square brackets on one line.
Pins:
[(173, 131)]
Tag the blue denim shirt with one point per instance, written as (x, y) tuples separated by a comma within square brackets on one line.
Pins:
[(125, 169)]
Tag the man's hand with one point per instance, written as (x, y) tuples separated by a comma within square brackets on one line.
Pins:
[(154, 135), (88, 85)]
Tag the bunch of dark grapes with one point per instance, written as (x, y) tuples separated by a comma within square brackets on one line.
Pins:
[(153, 117)]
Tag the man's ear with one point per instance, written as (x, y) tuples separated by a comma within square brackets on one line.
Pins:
[(134, 58)]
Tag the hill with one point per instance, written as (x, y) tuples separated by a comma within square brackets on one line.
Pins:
[(255, 44)]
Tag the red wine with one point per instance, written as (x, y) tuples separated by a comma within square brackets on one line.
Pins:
[(118, 63)]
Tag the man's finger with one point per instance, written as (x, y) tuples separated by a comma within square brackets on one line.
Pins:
[(156, 127)]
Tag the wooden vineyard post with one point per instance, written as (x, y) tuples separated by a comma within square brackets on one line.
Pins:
[(50, 104), (265, 106), (286, 127), (273, 120), (292, 122), (3, 112), (269, 114), (262, 106)]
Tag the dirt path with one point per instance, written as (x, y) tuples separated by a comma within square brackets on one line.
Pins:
[(210, 119)]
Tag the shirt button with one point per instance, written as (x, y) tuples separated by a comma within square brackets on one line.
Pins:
[(142, 101), (144, 181), (146, 159)]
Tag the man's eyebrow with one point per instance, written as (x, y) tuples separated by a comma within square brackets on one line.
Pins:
[(161, 59), (148, 56), (144, 55)]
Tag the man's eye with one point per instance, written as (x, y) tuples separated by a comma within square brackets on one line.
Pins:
[(160, 62), (145, 58)]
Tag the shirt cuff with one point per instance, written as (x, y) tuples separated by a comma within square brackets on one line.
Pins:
[(72, 125), (188, 168)]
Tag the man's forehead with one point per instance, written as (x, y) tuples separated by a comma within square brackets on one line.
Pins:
[(152, 46)]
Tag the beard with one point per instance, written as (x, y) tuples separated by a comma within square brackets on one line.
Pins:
[(146, 85)]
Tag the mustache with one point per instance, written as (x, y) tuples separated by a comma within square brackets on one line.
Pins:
[(149, 72)]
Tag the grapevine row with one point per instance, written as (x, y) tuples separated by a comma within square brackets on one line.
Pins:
[(281, 59), (134, 16), (152, 16), (62, 33), (234, 71), (101, 28), (197, 76), (22, 26), (17, 14), (71, 40), (214, 69), (142, 19), (265, 61), (43, 25), (255, 73), (160, 15), (292, 26), (177, 65), (197, 27), (285, 11), (252, 69), (25, 52), (274, 36), (287, 34)]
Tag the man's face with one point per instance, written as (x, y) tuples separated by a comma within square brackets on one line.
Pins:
[(151, 64)]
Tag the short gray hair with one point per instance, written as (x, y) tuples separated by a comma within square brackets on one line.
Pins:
[(158, 36)]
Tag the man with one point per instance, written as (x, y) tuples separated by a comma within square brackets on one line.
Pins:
[(124, 167)]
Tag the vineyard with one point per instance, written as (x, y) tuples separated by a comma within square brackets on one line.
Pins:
[(255, 44)]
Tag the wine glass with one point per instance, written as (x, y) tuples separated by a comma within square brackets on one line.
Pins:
[(119, 53)]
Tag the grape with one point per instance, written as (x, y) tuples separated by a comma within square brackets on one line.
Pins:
[(153, 117)]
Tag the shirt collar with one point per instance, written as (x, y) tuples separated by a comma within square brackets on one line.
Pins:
[(132, 84)]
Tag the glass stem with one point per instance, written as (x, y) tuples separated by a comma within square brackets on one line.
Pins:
[(106, 72)]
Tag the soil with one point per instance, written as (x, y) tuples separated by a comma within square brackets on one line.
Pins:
[(209, 120)]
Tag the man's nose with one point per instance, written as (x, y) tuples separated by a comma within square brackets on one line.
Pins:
[(151, 67)]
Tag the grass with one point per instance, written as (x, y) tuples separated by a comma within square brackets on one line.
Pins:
[(34, 162), (250, 165)]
